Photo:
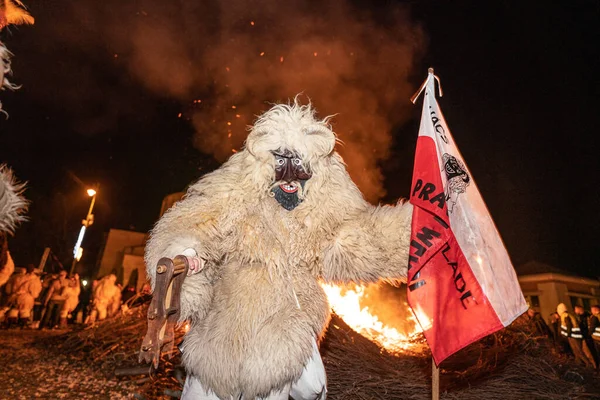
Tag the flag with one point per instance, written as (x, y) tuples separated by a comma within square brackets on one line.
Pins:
[(461, 283)]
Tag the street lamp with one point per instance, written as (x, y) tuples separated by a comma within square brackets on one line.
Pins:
[(87, 222)]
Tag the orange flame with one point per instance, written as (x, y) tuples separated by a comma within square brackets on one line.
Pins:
[(346, 303)]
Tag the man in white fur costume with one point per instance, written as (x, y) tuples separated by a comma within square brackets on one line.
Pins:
[(261, 232), (13, 206), (12, 203), (107, 299)]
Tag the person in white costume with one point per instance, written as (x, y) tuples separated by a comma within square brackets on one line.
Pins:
[(261, 232), (107, 299)]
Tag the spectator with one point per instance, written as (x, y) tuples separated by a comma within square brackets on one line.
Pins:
[(569, 328), (595, 327), (71, 296), (27, 288), (10, 290), (54, 301), (82, 310), (38, 308), (128, 293), (554, 325), (107, 299), (560, 342), (582, 318), (593, 338), (538, 326)]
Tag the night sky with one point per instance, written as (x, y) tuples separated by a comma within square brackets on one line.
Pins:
[(135, 96)]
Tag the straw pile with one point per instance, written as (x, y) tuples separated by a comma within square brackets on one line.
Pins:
[(511, 364)]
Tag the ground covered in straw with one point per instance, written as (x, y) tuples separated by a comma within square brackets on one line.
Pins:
[(511, 364), (29, 370)]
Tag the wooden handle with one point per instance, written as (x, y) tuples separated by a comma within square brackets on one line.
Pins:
[(180, 265)]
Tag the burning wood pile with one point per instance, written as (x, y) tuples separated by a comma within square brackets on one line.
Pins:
[(511, 364)]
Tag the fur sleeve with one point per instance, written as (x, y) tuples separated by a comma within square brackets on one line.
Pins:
[(370, 246), (190, 223)]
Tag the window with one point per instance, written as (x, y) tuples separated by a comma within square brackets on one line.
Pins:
[(586, 304), (574, 301), (534, 301)]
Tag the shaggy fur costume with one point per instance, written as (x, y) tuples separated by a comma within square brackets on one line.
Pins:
[(107, 298), (12, 207), (13, 204), (12, 12), (257, 305), (5, 70)]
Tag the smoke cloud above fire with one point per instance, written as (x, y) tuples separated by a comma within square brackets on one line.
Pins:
[(228, 61)]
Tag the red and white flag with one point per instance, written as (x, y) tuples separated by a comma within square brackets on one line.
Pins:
[(461, 283)]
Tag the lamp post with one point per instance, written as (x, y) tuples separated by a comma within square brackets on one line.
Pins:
[(87, 222)]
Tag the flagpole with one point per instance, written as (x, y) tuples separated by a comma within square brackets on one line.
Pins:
[(435, 370), (435, 381), (430, 74)]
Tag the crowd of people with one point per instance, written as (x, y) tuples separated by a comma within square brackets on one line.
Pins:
[(575, 334), (53, 301)]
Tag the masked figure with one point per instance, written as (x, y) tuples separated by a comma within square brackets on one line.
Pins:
[(107, 299), (13, 206), (12, 203), (263, 231)]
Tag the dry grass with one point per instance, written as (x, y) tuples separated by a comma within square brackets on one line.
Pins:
[(511, 364)]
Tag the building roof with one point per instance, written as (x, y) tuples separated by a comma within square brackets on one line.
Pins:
[(536, 267)]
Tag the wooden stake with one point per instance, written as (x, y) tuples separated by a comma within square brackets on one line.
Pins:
[(435, 381)]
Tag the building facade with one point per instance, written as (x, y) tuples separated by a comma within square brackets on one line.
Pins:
[(544, 287), (123, 256), (123, 253)]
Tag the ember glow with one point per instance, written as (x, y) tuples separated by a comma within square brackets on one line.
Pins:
[(346, 302)]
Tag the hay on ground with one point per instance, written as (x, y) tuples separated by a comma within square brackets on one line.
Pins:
[(511, 364)]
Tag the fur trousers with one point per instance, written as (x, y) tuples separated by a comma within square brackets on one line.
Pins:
[(312, 384)]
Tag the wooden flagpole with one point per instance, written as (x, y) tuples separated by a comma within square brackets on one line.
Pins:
[(435, 371), (435, 381)]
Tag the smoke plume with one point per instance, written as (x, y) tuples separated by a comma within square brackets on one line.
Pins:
[(228, 61)]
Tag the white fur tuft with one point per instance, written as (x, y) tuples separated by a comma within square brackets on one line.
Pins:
[(12, 203), (5, 70), (291, 127)]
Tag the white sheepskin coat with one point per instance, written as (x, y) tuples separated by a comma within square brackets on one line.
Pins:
[(12, 207), (107, 296), (5, 70), (7, 269), (13, 204), (257, 305)]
